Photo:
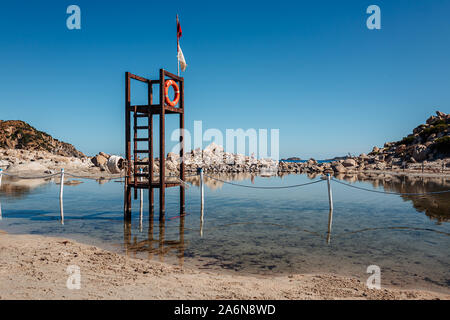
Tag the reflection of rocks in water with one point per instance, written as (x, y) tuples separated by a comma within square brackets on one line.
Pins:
[(313, 175), (18, 188), (236, 177), (435, 206), (282, 174), (103, 181)]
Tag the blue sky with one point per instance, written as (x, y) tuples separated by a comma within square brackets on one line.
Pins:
[(311, 69)]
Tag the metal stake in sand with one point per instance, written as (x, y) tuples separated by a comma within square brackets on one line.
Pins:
[(61, 190), (202, 202), (1, 174), (330, 194), (141, 206), (330, 223)]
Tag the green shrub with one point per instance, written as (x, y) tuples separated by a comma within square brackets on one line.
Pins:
[(16, 133), (26, 138), (407, 140), (441, 127), (442, 145), (442, 121)]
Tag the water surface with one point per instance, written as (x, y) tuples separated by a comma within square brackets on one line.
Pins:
[(257, 231)]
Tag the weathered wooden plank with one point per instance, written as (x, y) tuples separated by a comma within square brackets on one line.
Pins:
[(136, 77)]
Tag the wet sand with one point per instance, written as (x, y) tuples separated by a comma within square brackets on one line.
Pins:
[(34, 267)]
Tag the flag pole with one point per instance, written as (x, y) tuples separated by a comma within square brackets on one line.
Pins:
[(178, 45)]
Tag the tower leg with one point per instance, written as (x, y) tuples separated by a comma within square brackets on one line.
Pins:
[(127, 202), (182, 197), (181, 245), (182, 188), (126, 235), (162, 232), (151, 201), (150, 231), (162, 205), (162, 151)]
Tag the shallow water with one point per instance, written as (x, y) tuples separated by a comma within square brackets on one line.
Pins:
[(257, 231)]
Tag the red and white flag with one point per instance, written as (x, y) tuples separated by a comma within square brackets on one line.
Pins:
[(180, 55)]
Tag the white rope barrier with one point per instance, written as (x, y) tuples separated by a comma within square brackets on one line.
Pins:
[(388, 192), (202, 193), (255, 187), (202, 175)]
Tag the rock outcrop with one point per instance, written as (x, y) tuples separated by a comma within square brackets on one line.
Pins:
[(429, 141), (213, 159), (16, 134), (23, 162), (427, 148)]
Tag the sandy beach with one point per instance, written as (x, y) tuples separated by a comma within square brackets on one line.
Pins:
[(34, 267), (281, 151)]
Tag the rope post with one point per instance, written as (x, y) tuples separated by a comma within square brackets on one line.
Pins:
[(202, 200), (330, 223), (61, 190), (141, 206), (1, 174), (202, 190), (330, 194)]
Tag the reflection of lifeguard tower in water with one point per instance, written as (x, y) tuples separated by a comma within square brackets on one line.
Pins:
[(138, 134), (155, 246)]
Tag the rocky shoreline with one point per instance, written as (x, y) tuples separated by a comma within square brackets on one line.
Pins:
[(25, 162), (425, 151), (17, 134), (41, 163)]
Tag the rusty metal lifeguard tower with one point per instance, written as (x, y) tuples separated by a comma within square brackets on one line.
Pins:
[(135, 156)]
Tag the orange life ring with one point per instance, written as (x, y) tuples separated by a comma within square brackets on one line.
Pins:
[(168, 84)]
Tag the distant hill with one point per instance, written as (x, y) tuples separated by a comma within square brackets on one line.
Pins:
[(16, 134), (291, 159), (337, 158)]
